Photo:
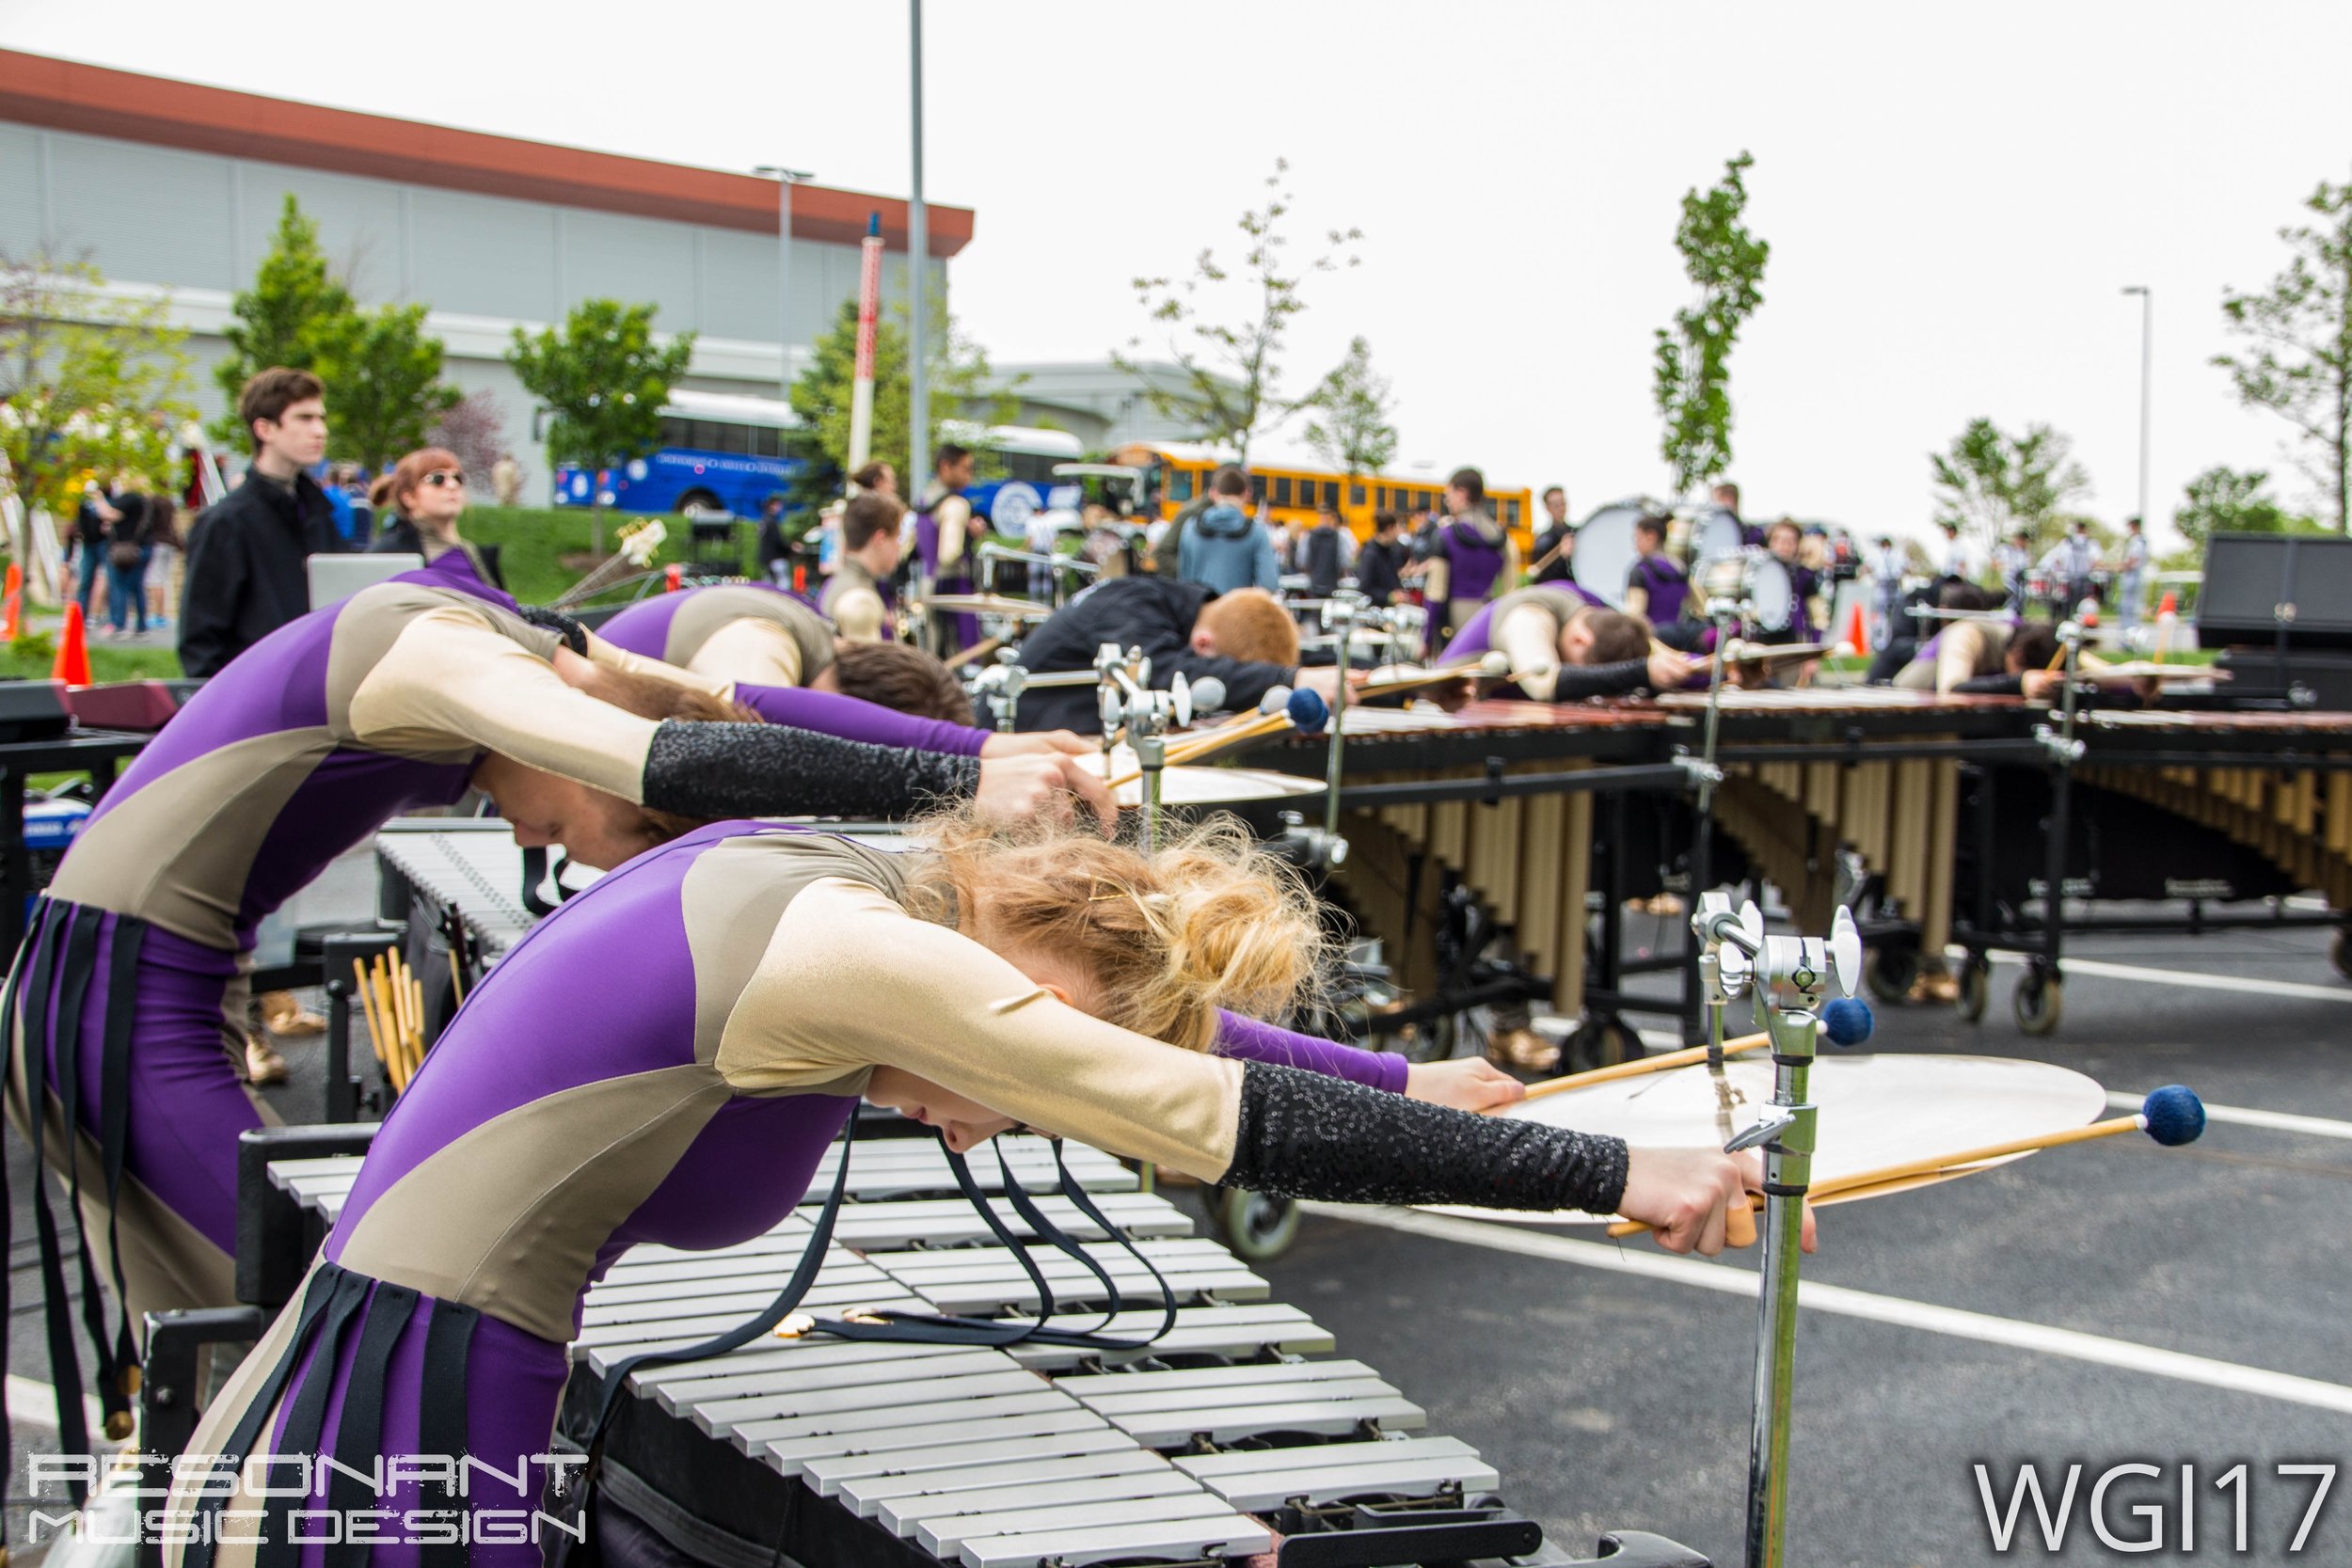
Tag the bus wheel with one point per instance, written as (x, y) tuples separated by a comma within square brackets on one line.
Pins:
[(695, 503)]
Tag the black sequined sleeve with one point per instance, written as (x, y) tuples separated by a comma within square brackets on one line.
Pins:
[(1576, 682), (1304, 1135), (725, 770), (575, 635)]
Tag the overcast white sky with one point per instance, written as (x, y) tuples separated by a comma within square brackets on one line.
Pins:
[(1955, 194)]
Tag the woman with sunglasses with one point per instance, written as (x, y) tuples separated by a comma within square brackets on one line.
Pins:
[(425, 493), (776, 978)]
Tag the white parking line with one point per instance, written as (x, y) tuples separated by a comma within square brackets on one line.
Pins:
[(2240, 1116), (2193, 980), (32, 1402), (1844, 1300)]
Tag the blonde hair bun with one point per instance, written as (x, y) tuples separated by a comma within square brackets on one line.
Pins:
[(1209, 921)]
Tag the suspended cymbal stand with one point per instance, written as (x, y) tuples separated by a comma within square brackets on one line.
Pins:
[(1145, 714), (1342, 612), (1792, 978)]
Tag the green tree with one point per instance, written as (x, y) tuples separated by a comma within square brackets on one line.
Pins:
[(2298, 362), (383, 372), (295, 308), (1692, 374), (2225, 500), (604, 381), (92, 384), (1351, 429), (1992, 483), (1232, 371), (963, 387)]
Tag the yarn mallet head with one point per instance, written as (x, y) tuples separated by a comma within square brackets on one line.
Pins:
[(1847, 1022), (2173, 1114), (1308, 712)]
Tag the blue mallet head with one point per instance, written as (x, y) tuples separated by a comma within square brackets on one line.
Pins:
[(1307, 711), (2174, 1114), (1847, 1020)]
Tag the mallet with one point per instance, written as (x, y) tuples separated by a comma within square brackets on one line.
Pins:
[(2173, 1116), (1304, 710), (1846, 1023)]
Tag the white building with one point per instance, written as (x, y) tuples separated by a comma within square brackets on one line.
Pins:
[(169, 185)]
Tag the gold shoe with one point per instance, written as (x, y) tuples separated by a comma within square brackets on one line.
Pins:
[(282, 1015), (1665, 903), (1937, 986), (262, 1063), (1523, 1048)]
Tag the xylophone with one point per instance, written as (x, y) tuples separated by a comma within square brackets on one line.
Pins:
[(1233, 1435)]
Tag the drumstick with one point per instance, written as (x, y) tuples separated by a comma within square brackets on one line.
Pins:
[(2173, 1116), (379, 986), (367, 1008), (979, 650), (1844, 1023), (416, 1025)]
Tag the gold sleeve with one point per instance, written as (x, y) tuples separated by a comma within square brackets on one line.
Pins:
[(1529, 638), (1956, 656), (449, 683), (850, 981), (859, 614), (605, 654), (953, 516), (754, 651)]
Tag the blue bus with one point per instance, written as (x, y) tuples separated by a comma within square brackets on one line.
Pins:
[(719, 453), (1028, 457)]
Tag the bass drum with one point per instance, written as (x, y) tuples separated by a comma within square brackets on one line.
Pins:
[(1715, 535), (1605, 554)]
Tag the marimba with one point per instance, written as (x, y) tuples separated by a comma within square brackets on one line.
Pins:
[(1236, 1433)]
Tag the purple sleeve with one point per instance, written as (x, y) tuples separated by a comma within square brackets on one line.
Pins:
[(1249, 1040), (854, 718)]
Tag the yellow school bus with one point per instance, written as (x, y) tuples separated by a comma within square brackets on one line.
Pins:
[(1174, 473)]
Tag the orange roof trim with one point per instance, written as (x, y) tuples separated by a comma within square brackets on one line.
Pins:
[(95, 101)]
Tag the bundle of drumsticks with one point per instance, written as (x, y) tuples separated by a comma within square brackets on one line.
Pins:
[(393, 999)]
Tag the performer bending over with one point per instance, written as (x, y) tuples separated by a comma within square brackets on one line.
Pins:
[(785, 663), (126, 1002), (1566, 645), (1245, 638), (1964, 650), (775, 976)]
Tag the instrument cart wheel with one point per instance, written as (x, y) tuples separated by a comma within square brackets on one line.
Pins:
[(1892, 970), (1599, 1045), (1255, 1227), (1976, 989), (2040, 1002), (2339, 952)]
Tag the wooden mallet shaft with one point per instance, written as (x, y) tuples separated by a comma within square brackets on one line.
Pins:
[(1940, 1164), (1640, 1069)]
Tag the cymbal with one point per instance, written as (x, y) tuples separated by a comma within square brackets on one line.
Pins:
[(1776, 653), (990, 604), (1875, 1111), (2149, 669), (1194, 786)]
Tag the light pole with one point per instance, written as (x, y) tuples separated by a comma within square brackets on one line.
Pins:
[(2147, 337), (918, 275), (786, 179)]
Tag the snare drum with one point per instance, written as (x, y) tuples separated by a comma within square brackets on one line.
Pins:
[(1715, 535), (1756, 578)]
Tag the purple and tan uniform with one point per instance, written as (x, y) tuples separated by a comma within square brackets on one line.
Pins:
[(126, 1008), (770, 645), (563, 1117)]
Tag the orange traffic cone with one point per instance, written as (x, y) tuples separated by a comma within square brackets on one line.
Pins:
[(11, 602), (1858, 629), (73, 665)]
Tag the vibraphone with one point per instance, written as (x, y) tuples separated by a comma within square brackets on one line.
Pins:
[(1234, 1435)]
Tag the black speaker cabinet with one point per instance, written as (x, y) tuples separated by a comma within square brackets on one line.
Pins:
[(2261, 586)]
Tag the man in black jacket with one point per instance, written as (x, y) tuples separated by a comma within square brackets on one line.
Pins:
[(1556, 545), (246, 576), (1245, 638)]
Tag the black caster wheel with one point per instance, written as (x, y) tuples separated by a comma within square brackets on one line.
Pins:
[(2339, 952), (1891, 973), (1254, 1227), (1975, 990), (1599, 1045), (2040, 1003)]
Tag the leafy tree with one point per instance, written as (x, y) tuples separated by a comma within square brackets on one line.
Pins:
[(2224, 500), (1992, 483), (1351, 429), (472, 428), (296, 306), (383, 375), (963, 387), (1693, 369), (2298, 360), (604, 380), (92, 385), (1232, 373)]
